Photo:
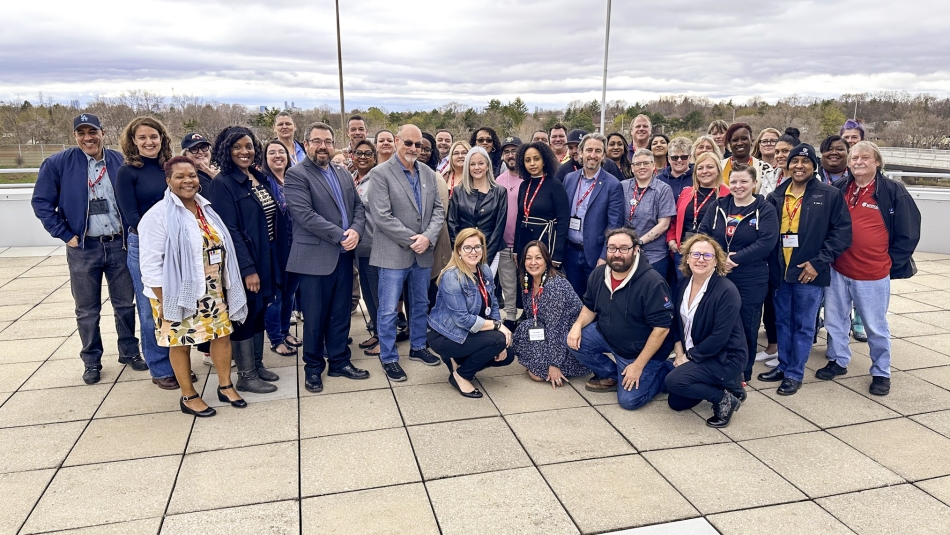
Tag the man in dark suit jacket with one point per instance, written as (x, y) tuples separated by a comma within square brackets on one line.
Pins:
[(596, 205), (328, 220), (408, 215)]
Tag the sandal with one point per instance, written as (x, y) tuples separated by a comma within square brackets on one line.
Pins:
[(292, 341), (291, 352), (369, 343), (372, 352)]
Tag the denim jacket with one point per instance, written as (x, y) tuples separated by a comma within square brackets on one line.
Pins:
[(459, 305)]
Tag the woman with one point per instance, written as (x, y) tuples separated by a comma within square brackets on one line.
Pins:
[(617, 152), (551, 305), (481, 203), (679, 174), (852, 132), (198, 149), (786, 142), (739, 139), (705, 144), (339, 158), (192, 280), (139, 185), (277, 316), (659, 145), (834, 160), (694, 202), (543, 207), (285, 129), (243, 197), (717, 129), (429, 153), (763, 147), (649, 207), (465, 326), (364, 156), (385, 146), (453, 172), (746, 226), (486, 138), (708, 342)]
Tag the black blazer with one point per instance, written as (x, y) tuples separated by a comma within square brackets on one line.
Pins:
[(490, 216), (717, 329)]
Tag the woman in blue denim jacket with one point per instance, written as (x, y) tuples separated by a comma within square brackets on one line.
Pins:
[(465, 326)]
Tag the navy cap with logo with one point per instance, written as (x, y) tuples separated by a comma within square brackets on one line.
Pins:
[(87, 119), (576, 136), (511, 141), (192, 139), (803, 149)]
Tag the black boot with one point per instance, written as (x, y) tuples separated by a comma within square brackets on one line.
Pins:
[(262, 372), (723, 411), (243, 354)]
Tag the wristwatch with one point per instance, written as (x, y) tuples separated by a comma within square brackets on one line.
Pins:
[(497, 324)]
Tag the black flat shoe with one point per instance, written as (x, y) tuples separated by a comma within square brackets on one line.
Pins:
[(238, 403), (137, 362), (188, 410), (723, 411), (350, 372), (788, 387), (772, 376), (474, 394), (90, 375)]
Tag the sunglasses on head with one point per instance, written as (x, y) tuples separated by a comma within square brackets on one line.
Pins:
[(416, 144)]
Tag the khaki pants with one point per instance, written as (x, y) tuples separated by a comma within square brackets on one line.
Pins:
[(508, 279)]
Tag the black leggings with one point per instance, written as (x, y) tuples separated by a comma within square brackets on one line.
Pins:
[(477, 353), (692, 382)]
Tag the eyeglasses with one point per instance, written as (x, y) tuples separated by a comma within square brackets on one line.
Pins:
[(416, 144), (768, 141), (363, 153), (483, 140), (459, 153), (200, 148), (318, 142), (678, 157), (641, 164), (471, 248), (622, 250), (705, 256), (425, 150), (509, 152)]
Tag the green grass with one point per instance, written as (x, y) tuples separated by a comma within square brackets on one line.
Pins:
[(17, 178)]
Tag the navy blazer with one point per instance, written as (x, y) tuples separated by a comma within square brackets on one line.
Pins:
[(717, 331), (604, 211)]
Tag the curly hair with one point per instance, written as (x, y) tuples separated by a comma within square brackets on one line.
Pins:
[(172, 162), (722, 268), (221, 154), (131, 152), (547, 156), (495, 153)]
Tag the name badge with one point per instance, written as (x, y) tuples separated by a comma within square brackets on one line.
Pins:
[(790, 240), (536, 334), (575, 223), (98, 207), (214, 256)]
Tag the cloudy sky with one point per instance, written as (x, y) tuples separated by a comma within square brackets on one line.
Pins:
[(422, 54)]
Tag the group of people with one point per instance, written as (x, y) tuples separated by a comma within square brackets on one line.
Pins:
[(661, 252)]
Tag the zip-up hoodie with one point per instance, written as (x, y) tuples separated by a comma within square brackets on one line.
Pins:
[(752, 241)]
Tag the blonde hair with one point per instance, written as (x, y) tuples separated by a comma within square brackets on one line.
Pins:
[(455, 261), (756, 151), (680, 143), (702, 158), (460, 143), (467, 177), (722, 268), (700, 139)]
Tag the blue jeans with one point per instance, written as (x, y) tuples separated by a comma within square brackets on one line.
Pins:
[(155, 355), (369, 284), (576, 268), (591, 354), (677, 260), (277, 316), (390, 288), (870, 300), (660, 266), (796, 306)]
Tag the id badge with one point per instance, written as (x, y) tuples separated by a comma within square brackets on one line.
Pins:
[(536, 334), (98, 207), (790, 240), (575, 223), (214, 256), (687, 235)]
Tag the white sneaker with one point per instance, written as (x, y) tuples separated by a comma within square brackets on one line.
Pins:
[(762, 355), (772, 363), (206, 359)]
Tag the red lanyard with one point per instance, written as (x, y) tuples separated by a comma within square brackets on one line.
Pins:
[(98, 178), (700, 207), (534, 301), (528, 204), (635, 199), (792, 213), (482, 289), (586, 193), (855, 191), (202, 222), (452, 185)]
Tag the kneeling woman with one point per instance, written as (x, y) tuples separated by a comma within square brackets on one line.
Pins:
[(465, 326), (188, 262), (709, 344), (551, 306)]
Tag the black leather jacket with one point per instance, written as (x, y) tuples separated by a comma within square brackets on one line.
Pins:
[(489, 216)]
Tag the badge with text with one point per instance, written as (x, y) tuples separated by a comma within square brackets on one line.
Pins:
[(575, 223), (536, 334), (214, 256), (790, 240), (98, 207)]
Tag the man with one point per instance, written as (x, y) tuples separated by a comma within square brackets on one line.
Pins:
[(627, 312), (649, 206), (540, 136), (443, 142), (284, 129), (640, 131), (74, 198), (507, 267), (815, 229), (328, 220), (558, 137), (575, 162), (885, 224), (408, 214), (355, 130), (596, 205)]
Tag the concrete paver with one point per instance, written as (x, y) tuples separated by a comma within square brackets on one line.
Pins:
[(399, 510), (885, 511)]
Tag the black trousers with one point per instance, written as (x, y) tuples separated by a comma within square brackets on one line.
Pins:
[(750, 314), (477, 353), (692, 382), (326, 311), (255, 319), (768, 318)]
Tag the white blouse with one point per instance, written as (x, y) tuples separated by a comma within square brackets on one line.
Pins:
[(688, 311)]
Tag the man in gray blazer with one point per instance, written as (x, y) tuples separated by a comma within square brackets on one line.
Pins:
[(408, 214), (328, 219)]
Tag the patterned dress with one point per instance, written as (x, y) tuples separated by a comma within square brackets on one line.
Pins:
[(558, 307), (211, 320)]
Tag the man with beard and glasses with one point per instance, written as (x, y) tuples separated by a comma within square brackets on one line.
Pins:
[(328, 221), (443, 142), (627, 312), (507, 266)]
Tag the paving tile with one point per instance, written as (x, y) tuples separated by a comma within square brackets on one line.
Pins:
[(655, 426), (821, 465), (23, 297), (72, 501), (900, 509), (46, 311), (935, 281), (938, 488), (12, 351), (71, 347), (513, 501), (939, 375), (937, 299), (759, 417), (356, 461), (239, 476), (907, 355), (503, 371), (694, 471), (594, 398), (399, 510), (277, 518), (514, 393), (259, 423), (148, 526), (37, 446), (938, 342), (567, 435), (829, 404), (131, 437), (13, 312), (626, 476), (904, 446), (28, 284), (335, 385), (928, 257), (940, 318), (60, 373), (903, 305), (33, 252), (694, 526), (365, 411), (418, 373), (33, 329), (466, 447), (62, 295), (909, 394), (138, 397), (201, 370), (904, 286), (424, 404), (12, 376), (938, 421), (902, 326), (49, 406), (803, 518), (286, 386), (20, 493), (47, 270)]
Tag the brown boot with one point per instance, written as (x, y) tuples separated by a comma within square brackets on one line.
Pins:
[(597, 384)]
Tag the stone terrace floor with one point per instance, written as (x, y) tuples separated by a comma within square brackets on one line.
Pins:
[(373, 457)]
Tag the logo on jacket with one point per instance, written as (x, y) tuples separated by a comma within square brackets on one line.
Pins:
[(666, 302), (869, 205)]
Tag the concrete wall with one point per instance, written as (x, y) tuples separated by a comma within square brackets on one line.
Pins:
[(18, 226), (934, 206), (918, 159)]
